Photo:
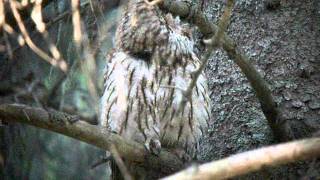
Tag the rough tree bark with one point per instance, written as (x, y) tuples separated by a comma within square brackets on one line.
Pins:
[(283, 44)]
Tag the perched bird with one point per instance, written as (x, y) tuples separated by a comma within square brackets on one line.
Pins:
[(146, 76)]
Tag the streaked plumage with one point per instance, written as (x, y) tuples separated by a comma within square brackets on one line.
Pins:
[(145, 76)]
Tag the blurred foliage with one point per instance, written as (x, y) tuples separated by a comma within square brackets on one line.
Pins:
[(32, 153)]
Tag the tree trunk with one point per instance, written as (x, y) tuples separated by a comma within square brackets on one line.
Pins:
[(282, 41)]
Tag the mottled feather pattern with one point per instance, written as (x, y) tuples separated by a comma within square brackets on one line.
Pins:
[(138, 26), (146, 75)]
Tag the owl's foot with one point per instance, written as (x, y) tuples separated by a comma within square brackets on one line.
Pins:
[(182, 154), (74, 118), (153, 146)]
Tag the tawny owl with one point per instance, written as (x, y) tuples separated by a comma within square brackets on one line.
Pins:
[(145, 79)]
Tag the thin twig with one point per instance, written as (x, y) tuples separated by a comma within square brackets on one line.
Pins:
[(123, 169), (36, 16), (87, 60), (89, 69), (60, 64), (2, 14), (56, 19), (9, 29), (77, 35), (213, 43)]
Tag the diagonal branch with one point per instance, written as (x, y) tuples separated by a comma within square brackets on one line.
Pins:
[(24, 11), (62, 65), (123, 169), (64, 124), (213, 43), (251, 161), (186, 9)]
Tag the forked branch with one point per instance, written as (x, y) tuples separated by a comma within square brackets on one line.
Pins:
[(212, 43)]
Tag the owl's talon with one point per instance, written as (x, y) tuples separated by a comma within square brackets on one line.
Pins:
[(181, 154), (153, 146), (147, 146), (207, 41), (114, 132), (73, 119)]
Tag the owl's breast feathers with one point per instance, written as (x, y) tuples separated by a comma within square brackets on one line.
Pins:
[(142, 95)]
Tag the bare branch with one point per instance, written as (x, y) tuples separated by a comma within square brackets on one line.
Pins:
[(55, 62), (213, 43), (77, 36), (54, 20), (24, 9), (59, 122), (2, 14), (87, 60), (124, 170), (36, 16), (251, 161)]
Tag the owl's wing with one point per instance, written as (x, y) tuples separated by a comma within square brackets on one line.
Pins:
[(127, 106)]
